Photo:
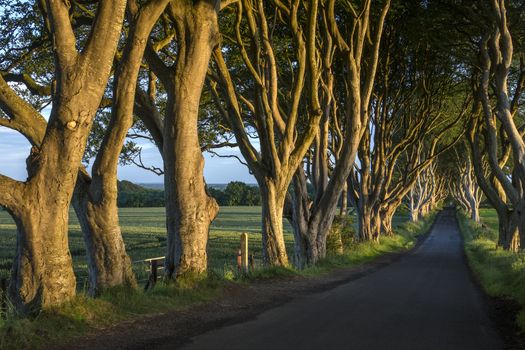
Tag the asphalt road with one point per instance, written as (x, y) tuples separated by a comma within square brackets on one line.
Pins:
[(426, 300)]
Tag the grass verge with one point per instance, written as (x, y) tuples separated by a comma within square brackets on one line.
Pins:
[(501, 273), (85, 314), (356, 253)]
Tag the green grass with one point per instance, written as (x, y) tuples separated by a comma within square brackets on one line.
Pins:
[(84, 314), (501, 273), (356, 253), (143, 233)]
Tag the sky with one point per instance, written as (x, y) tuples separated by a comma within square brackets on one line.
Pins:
[(14, 150)]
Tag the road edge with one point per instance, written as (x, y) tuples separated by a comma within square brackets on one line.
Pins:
[(502, 311)]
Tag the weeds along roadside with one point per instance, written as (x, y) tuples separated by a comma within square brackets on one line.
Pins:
[(500, 273)]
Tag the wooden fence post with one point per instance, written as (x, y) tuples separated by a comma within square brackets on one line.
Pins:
[(244, 252), (154, 270), (3, 286)]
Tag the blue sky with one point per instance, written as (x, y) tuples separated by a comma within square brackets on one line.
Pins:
[(14, 149)]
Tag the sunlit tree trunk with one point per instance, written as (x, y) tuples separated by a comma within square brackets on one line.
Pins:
[(189, 208), (42, 274)]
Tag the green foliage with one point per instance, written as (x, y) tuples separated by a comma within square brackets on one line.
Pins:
[(501, 273), (236, 193), (131, 195), (342, 233)]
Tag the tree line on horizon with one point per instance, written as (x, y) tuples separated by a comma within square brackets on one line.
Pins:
[(235, 193), (366, 104)]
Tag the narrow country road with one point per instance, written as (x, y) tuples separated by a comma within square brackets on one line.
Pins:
[(426, 300)]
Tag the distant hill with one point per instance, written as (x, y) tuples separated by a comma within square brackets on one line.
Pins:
[(133, 195), (128, 186), (152, 185)]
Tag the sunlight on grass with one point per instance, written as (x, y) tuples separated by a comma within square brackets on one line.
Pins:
[(500, 272), (84, 314), (143, 240)]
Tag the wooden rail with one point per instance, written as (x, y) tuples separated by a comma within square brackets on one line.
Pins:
[(154, 265)]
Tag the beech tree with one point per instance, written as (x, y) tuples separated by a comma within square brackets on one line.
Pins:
[(494, 132), (312, 219), (405, 135), (181, 66), (490, 185), (95, 199), (108, 262), (267, 104), (465, 189), (497, 54), (42, 273)]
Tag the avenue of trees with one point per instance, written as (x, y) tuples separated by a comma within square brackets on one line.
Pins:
[(368, 104)]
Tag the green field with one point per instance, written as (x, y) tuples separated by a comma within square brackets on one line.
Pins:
[(145, 237), (144, 234)]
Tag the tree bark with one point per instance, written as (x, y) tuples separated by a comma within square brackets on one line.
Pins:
[(344, 200), (386, 220), (273, 199), (189, 208), (26, 120), (42, 274), (509, 238), (284, 135), (109, 264), (365, 225), (414, 211)]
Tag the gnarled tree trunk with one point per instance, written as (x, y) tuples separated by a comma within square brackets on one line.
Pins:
[(189, 208), (108, 263), (386, 220), (42, 273), (273, 200)]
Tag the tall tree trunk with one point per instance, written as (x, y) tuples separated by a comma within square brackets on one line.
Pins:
[(299, 218), (508, 237), (42, 273), (365, 229), (108, 263), (474, 211), (414, 210), (189, 208), (344, 200), (274, 249), (376, 225), (386, 220), (310, 228)]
